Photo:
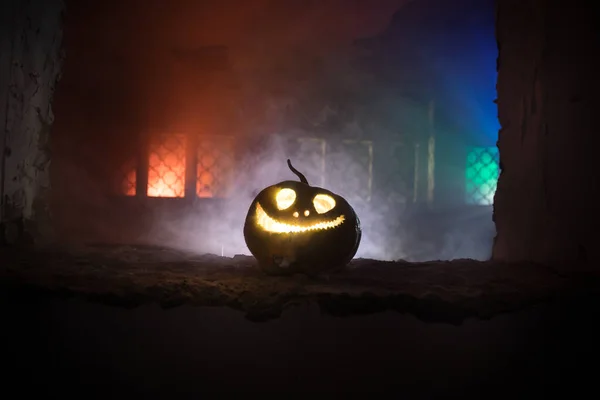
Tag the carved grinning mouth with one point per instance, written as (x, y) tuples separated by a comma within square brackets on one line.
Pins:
[(271, 225)]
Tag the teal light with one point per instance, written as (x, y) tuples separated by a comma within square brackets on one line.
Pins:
[(481, 175)]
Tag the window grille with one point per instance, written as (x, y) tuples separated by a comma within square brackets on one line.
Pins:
[(482, 171), (166, 166), (215, 166)]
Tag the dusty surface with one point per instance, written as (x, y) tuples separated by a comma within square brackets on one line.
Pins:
[(133, 275)]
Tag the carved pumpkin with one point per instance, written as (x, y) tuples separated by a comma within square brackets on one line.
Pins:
[(293, 227)]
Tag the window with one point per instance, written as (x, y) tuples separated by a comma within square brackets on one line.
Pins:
[(350, 168), (482, 171), (215, 166), (166, 166)]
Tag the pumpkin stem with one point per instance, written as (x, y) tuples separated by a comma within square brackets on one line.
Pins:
[(298, 173)]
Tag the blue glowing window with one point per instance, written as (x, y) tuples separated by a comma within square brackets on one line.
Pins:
[(482, 171)]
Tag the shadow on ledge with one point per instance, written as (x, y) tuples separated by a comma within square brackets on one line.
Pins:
[(440, 291), (421, 330)]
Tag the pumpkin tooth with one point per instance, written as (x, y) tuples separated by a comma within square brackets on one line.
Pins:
[(271, 225)]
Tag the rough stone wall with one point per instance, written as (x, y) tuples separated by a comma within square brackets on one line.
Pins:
[(546, 203), (30, 67)]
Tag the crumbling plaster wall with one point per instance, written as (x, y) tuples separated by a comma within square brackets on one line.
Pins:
[(30, 66), (546, 203)]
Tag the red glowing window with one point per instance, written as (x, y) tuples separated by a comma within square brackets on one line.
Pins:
[(166, 166), (214, 171)]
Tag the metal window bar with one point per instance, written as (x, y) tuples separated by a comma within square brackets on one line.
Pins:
[(482, 171), (430, 169), (167, 166), (215, 166), (417, 172)]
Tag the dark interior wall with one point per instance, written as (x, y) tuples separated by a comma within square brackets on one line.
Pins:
[(546, 204), (97, 124), (120, 86), (5, 46), (31, 63)]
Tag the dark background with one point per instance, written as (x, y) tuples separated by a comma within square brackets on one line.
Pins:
[(59, 347)]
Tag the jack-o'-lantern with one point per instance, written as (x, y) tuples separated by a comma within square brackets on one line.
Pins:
[(293, 227)]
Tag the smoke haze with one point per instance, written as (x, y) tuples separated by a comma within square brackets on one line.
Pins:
[(132, 70)]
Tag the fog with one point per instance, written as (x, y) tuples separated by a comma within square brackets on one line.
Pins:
[(218, 228), (266, 72), (389, 228)]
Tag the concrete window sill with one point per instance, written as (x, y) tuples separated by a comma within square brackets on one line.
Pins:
[(439, 291)]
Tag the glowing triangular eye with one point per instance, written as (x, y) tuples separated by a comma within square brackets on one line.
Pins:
[(285, 198), (323, 203)]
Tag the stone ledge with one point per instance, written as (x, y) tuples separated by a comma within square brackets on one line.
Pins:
[(128, 276)]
